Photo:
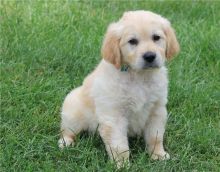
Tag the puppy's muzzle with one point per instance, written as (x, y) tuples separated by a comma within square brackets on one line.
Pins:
[(149, 59)]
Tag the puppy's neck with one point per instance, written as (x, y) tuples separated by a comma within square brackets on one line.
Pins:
[(127, 72)]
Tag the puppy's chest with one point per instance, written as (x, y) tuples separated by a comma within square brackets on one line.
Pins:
[(139, 95), (139, 98)]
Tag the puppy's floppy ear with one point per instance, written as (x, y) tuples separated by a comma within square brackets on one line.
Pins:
[(110, 48), (172, 48)]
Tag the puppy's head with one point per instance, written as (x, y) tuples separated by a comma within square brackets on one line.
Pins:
[(140, 39)]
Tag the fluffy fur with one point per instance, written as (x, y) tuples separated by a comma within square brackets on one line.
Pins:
[(125, 103)]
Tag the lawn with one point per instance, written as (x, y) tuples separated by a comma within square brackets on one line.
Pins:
[(48, 47)]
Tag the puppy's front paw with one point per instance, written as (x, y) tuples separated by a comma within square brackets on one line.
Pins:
[(64, 142), (160, 156)]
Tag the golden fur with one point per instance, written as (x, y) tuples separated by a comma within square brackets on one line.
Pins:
[(130, 102)]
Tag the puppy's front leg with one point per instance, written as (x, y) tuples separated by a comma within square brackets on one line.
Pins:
[(114, 134), (154, 131)]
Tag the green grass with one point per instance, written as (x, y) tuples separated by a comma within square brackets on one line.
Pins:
[(47, 48)]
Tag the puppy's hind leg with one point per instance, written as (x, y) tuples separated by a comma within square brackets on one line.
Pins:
[(70, 127), (73, 119)]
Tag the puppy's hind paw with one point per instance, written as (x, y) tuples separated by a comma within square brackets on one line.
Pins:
[(64, 142)]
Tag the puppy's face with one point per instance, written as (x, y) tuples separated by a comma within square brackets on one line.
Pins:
[(143, 41), (140, 39)]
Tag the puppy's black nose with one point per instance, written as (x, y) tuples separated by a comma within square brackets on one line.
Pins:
[(149, 56)]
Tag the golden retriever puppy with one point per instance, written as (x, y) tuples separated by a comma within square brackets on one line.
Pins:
[(126, 94)]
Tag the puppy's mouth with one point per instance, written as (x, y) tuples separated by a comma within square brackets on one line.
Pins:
[(151, 66)]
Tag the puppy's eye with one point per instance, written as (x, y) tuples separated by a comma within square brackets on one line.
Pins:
[(133, 41), (156, 37)]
